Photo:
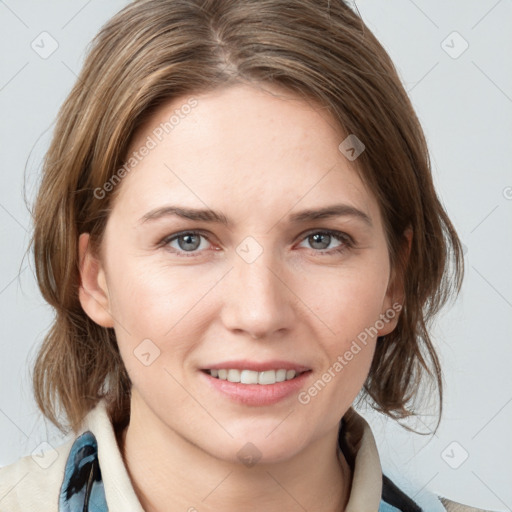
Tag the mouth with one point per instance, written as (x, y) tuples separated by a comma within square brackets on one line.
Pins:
[(259, 386), (256, 383), (246, 376)]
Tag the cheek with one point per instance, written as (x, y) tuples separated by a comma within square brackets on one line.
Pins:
[(346, 300), (150, 298), (348, 307), (158, 310)]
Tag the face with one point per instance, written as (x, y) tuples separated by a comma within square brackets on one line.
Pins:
[(263, 286)]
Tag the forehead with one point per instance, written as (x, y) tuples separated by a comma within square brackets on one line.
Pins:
[(263, 150)]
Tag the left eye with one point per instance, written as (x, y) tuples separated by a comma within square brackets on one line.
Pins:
[(190, 242), (325, 237)]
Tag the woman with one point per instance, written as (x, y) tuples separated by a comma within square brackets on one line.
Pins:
[(238, 230)]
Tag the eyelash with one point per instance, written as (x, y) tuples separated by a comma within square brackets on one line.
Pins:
[(348, 242)]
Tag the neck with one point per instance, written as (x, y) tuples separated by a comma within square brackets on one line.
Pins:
[(170, 474)]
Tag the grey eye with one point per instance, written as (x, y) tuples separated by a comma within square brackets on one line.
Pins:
[(322, 239)]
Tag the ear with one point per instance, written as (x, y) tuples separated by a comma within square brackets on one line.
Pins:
[(395, 295), (93, 291)]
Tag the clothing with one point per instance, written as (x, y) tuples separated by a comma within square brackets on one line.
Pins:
[(88, 474)]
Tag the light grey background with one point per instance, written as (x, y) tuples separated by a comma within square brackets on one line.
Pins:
[(465, 105)]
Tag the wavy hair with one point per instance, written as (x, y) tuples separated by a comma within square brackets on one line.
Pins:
[(155, 50)]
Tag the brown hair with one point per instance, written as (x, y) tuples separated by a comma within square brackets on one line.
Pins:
[(156, 50)]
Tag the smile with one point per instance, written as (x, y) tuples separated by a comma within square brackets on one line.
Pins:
[(252, 377)]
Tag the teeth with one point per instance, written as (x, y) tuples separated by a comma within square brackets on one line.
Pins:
[(268, 377), (280, 375), (233, 376), (249, 377), (290, 374), (252, 377)]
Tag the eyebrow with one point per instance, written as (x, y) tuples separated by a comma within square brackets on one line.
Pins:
[(208, 215)]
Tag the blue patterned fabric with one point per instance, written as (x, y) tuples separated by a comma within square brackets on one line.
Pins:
[(82, 489), (386, 507)]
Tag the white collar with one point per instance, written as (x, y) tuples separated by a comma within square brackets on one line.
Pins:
[(365, 493)]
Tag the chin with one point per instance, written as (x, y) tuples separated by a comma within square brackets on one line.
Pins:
[(259, 443)]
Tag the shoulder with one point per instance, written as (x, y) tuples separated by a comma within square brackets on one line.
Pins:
[(69, 477), (371, 485), (33, 482), (394, 500), (452, 506)]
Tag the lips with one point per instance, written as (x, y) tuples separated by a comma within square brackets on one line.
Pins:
[(255, 366), (236, 380)]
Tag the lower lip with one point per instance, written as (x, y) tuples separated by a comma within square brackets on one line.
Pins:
[(257, 394)]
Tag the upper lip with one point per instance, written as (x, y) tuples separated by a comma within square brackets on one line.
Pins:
[(256, 366)]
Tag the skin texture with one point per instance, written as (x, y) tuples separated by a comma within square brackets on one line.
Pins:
[(257, 155)]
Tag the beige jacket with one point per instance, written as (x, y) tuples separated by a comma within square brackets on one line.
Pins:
[(34, 482)]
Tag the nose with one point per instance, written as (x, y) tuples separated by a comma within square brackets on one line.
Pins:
[(258, 297)]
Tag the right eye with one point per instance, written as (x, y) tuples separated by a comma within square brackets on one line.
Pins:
[(185, 242)]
